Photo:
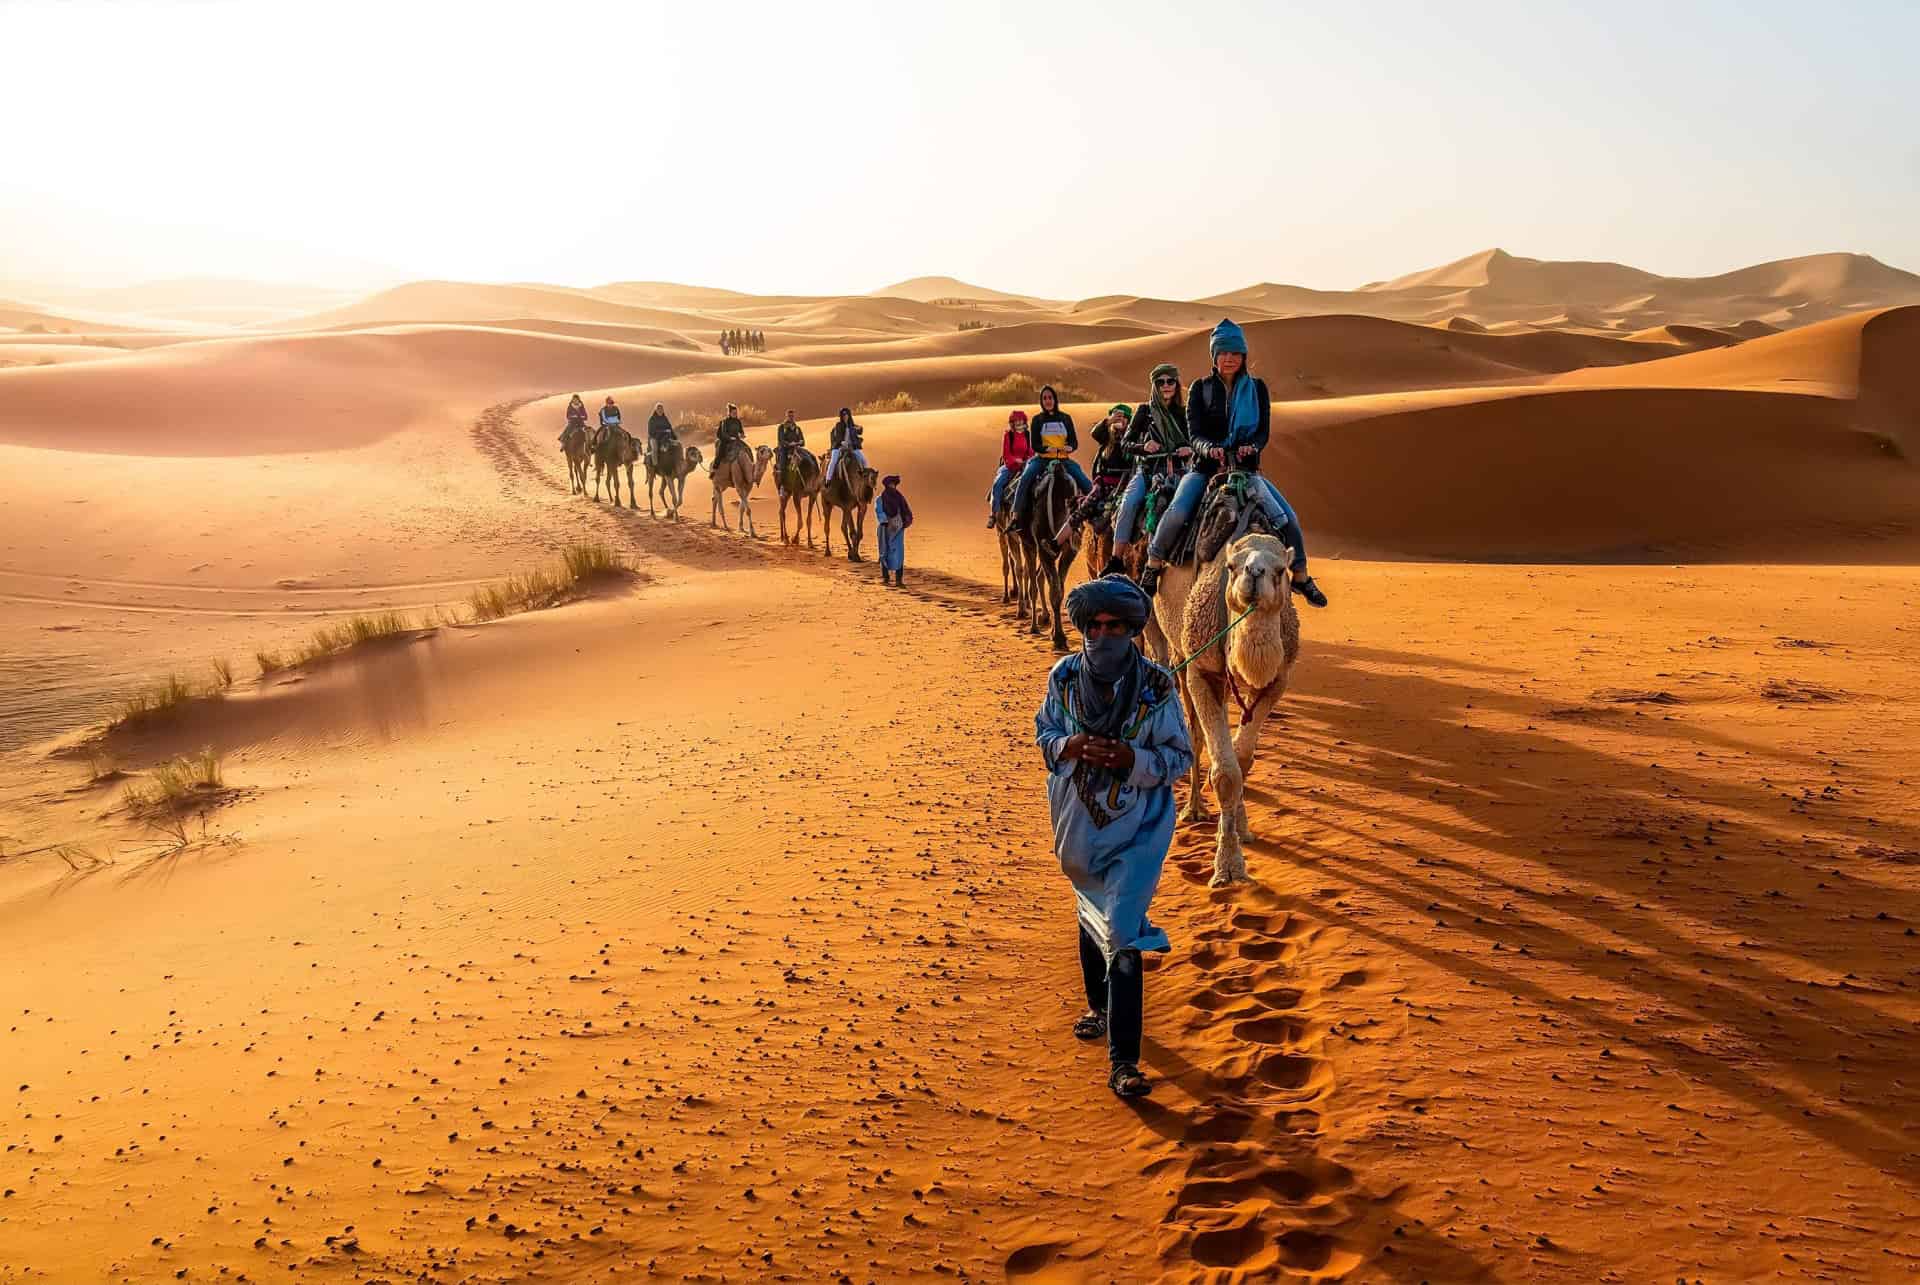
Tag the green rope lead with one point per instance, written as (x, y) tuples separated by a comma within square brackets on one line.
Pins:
[(1216, 638)]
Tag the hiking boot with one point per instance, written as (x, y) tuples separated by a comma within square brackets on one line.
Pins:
[(1310, 591), (1150, 580)]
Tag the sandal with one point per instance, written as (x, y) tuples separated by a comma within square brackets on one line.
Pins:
[(1090, 1026), (1126, 1081)]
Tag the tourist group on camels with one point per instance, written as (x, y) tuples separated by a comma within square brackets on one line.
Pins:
[(1193, 559)]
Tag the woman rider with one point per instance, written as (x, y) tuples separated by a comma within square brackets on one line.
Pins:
[(1159, 428), (846, 436), (1229, 416), (1015, 451), (1111, 463), (576, 417), (1053, 438)]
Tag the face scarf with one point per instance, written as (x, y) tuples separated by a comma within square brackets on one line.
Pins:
[(1243, 414), (1166, 429)]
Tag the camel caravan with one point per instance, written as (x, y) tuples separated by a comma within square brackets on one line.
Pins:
[(803, 484), (1176, 505)]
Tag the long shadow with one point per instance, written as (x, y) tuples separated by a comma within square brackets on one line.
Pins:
[(1657, 838)]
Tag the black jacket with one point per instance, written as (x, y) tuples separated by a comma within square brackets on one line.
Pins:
[(1207, 407), (730, 430), (1142, 427), (791, 435), (1046, 417), (659, 425), (847, 434)]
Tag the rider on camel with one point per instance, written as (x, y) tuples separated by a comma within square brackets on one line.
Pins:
[(1230, 416), (731, 435), (1053, 438), (1015, 450), (846, 436)]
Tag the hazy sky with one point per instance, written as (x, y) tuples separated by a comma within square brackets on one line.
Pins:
[(1060, 149)]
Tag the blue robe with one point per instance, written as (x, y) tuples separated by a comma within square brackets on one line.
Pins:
[(1115, 867)]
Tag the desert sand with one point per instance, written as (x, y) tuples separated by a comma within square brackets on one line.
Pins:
[(706, 926)]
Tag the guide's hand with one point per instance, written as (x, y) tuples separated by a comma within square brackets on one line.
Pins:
[(1075, 748), (1115, 756)]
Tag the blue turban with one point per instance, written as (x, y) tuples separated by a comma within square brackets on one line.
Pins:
[(1116, 595), (1227, 337)]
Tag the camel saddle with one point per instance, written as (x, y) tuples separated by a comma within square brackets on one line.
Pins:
[(664, 452), (798, 458), (1228, 512)]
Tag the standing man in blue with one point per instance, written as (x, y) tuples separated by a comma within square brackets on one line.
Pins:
[(1114, 740)]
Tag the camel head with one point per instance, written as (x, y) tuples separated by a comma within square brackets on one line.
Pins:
[(762, 455), (689, 460), (1258, 573)]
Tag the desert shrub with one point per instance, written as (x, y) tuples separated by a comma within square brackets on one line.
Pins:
[(337, 637), (155, 699), (707, 422), (270, 662), (545, 587), (898, 403), (222, 672), (1016, 389)]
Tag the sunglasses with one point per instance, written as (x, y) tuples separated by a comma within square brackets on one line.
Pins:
[(1165, 382)]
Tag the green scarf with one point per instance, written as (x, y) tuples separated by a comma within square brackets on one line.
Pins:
[(1166, 429)]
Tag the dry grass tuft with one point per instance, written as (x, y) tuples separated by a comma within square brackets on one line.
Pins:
[(339, 636), (1017, 389), (270, 662), (173, 791), (546, 587), (222, 673), (897, 404), (155, 699)]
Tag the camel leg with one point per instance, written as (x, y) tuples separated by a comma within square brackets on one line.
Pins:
[(1210, 711), (1057, 583), (1196, 809), (719, 515), (1246, 741)]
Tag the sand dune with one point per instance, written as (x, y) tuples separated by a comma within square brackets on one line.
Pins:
[(707, 926), (927, 289), (306, 392)]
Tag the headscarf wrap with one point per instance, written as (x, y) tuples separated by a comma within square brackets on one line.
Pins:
[(893, 503), (1166, 429), (1103, 709), (1227, 337)]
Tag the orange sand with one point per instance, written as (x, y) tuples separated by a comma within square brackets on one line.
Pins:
[(707, 928)]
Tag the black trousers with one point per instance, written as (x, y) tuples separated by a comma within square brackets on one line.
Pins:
[(1117, 990)]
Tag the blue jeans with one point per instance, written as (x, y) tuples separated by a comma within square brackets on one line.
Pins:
[(996, 494), (1023, 489), (1132, 501), (1186, 502)]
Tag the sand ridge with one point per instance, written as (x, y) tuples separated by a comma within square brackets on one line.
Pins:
[(708, 926)]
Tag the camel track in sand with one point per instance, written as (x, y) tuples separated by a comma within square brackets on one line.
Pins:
[(1252, 1196)]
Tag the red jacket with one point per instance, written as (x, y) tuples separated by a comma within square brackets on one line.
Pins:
[(1015, 449)]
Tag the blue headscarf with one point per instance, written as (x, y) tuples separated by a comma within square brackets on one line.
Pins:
[(1227, 337), (1243, 415)]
